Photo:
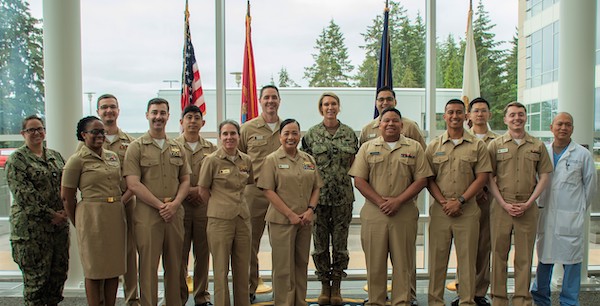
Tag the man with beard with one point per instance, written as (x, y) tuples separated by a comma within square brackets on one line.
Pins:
[(521, 172), (157, 172), (195, 220), (259, 137)]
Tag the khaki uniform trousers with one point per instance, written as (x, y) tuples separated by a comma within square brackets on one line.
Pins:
[(482, 267), (155, 238), (524, 229), (194, 225), (382, 235), (464, 230), (130, 278), (258, 205), (230, 239), (290, 246)]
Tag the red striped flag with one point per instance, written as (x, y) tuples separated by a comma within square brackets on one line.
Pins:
[(191, 84), (249, 100)]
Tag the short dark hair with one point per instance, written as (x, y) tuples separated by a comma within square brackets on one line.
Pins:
[(386, 88), (105, 96), (454, 101), (191, 109), (30, 117), (229, 121), (391, 109), (82, 125), (479, 100), (268, 86), (514, 103), (157, 101), (286, 122)]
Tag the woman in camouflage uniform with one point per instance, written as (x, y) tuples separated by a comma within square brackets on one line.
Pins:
[(39, 230), (333, 145)]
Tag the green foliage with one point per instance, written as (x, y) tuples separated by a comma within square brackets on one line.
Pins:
[(285, 80), (332, 67), (21, 65)]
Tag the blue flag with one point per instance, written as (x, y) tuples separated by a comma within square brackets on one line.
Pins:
[(384, 73)]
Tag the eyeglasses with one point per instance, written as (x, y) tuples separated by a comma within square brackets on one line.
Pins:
[(38, 130), (388, 99), (96, 132)]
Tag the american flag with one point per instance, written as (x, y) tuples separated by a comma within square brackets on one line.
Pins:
[(191, 84)]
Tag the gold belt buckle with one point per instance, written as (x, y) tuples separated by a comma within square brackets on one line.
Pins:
[(110, 200), (165, 200)]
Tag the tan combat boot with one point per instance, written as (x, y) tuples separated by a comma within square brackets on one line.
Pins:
[(325, 293), (336, 294)]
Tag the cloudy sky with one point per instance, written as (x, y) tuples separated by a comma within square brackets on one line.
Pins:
[(129, 47)]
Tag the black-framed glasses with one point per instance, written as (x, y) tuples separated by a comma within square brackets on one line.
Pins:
[(38, 130), (96, 132)]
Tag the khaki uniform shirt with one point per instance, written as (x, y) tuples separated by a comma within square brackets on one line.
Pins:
[(410, 129), (390, 171), (516, 166), (293, 179), (489, 136), (455, 166), (197, 156), (98, 177), (258, 140), (226, 181), (333, 155), (159, 169)]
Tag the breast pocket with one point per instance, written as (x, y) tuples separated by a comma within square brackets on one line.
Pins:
[(320, 153), (440, 164), (467, 163), (531, 161), (150, 167)]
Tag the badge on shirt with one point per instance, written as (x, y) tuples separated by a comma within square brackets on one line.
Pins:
[(374, 153), (283, 166), (175, 152), (259, 137), (440, 153), (244, 169), (407, 155), (372, 135), (224, 171), (503, 150), (308, 166), (124, 145)]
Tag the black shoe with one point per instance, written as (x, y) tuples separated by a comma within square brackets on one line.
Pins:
[(456, 301), (482, 301), (414, 302), (252, 298)]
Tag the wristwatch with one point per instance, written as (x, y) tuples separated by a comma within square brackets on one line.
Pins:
[(462, 200), (314, 208)]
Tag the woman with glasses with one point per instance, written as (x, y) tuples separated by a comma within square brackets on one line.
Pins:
[(100, 216), (333, 145), (39, 229)]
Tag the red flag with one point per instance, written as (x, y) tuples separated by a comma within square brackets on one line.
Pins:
[(249, 100), (191, 84)]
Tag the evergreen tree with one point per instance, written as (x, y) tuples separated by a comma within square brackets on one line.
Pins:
[(21, 65), (332, 67), (451, 60), (510, 68), (285, 80), (492, 76)]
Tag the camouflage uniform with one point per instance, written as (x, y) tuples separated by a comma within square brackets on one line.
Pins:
[(333, 155), (40, 248)]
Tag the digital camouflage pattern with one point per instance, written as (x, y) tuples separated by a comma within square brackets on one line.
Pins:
[(40, 248), (333, 155)]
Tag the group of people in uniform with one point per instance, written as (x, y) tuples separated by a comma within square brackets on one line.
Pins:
[(156, 197)]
